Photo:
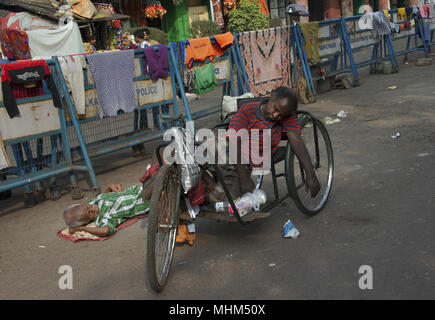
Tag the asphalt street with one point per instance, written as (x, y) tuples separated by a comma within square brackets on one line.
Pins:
[(380, 214)]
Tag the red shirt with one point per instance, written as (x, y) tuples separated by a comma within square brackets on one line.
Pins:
[(250, 117)]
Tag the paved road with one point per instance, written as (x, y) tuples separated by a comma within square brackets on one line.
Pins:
[(381, 213)]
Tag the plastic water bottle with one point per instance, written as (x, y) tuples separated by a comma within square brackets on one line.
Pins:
[(290, 230), (244, 205)]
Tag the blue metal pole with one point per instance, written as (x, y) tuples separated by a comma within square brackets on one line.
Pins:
[(348, 48), (180, 84), (71, 111)]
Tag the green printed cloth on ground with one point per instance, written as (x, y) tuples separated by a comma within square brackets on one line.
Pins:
[(205, 79), (118, 207)]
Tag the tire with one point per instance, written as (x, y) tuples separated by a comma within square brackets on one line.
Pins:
[(162, 226), (295, 176)]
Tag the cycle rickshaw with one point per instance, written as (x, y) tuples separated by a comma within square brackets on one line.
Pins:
[(167, 193)]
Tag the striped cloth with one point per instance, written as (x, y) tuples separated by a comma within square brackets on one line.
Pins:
[(250, 117), (118, 207)]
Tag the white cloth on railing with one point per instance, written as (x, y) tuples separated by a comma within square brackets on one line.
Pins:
[(4, 161), (72, 69), (113, 74), (61, 41)]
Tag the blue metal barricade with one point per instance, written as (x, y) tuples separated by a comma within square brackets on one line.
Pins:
[(329, 50), (362, 40), (109, 134), (35, 144), (411, 30)]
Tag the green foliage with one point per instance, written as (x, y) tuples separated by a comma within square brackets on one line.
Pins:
[(158, 35), (248, 17), (202, 28)]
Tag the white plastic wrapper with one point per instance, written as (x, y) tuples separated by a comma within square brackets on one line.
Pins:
[(190, 170)]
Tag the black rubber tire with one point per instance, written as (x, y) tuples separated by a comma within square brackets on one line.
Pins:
[(166, 179), (290, 169)]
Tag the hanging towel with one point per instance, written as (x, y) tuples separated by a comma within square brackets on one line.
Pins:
[(311, 35), (157, 62), (224, 39), (401, 14), (201, 49), (15, 75), (205, 79), (113, 74), (4, 161), (72, 69)]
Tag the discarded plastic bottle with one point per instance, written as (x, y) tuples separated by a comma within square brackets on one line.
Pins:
[(290, 231), (244, 205)]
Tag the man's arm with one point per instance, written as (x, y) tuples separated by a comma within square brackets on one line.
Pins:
[(98, 231), (301, 152)]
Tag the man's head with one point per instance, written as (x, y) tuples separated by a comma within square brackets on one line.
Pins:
[(80, 214), (93, 40), (147, 34), (139, 36), (282, 104)]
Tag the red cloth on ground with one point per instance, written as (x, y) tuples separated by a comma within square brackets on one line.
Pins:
[(124, 225)]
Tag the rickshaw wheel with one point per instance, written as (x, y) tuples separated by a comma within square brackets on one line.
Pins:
[(162, 226), (295, 175)]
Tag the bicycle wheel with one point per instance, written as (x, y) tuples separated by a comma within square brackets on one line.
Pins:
[(162, 226), (323, 165)]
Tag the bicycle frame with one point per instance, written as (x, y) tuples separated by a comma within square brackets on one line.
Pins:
[(303, 115)]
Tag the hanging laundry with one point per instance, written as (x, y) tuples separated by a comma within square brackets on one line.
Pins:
[(422, 9), (72, 69), (426, 9), (113, 74), (201, 49), (381, 26), (311, 35), (157, 62), (432, 10), (45, 43), (401, 14), (205, 79), (21, 74), (4, 161), (387, 14), (409, 13), (266, 57), (224, 39)]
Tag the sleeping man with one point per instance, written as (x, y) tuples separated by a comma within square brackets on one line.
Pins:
[(108, 210)]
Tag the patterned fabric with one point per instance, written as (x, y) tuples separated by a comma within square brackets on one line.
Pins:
[(381, 26), (311, 35), (15, 44), (113, 74), (118, 207), (266, 57)]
